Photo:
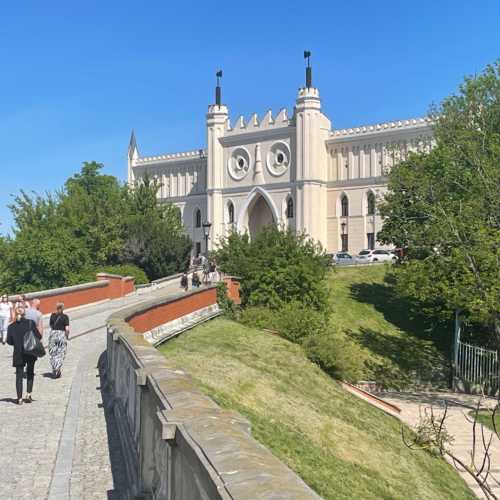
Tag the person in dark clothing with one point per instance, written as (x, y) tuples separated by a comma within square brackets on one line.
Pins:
[(15, 338), (195, 280), (185, 282)]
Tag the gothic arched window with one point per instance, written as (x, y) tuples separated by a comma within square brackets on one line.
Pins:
[(344, 206), (230, 212), (289, 208), (197, 218), (370, 203)]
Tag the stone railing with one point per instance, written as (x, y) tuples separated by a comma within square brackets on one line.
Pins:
[(178, 443), (107, 286)]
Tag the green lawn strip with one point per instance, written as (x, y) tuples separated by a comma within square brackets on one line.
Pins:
[(341, 446), (485, 417), (397, 345)]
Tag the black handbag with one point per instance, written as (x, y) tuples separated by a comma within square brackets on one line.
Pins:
[(32, 344)]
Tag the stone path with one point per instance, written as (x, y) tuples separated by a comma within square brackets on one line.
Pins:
[(63, 445), (413, 404)]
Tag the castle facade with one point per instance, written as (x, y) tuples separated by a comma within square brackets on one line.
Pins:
[(296, 171)]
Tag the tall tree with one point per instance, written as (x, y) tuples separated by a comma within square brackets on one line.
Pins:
[(444, 206)]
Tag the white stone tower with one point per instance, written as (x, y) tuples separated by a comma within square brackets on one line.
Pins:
[(217, 117), (312, 130)]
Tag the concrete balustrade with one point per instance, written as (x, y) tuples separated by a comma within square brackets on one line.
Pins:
[(178, 443)]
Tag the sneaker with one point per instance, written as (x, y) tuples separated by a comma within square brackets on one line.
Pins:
[(28, 399), (20, 401)]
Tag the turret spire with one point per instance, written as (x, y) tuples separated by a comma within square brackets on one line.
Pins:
[(218, 88), (307, 56)]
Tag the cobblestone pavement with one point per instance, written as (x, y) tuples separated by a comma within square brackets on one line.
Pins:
[(412, 406), (63, 445)]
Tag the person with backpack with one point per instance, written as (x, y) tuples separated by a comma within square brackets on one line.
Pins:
[(16, 334), (58, 339)]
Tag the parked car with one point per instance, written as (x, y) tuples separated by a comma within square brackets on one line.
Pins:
[(378, 255), (340, 258)]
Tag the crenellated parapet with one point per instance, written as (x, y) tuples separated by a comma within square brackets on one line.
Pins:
[(396, 126), (268, 122), (199, 154)]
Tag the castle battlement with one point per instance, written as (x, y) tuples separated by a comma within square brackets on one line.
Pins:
[(414, 123), (186, 155), (254, 124)]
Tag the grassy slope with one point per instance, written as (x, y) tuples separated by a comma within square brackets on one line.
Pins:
[(341, 446), (396, 345)]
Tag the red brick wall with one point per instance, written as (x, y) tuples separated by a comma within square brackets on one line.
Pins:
[(159, 315)]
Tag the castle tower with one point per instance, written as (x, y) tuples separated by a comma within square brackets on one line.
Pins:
[(217, 117), (132, 156), (312, 130)]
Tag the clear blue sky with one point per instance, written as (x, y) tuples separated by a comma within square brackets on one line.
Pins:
[(78, 76)]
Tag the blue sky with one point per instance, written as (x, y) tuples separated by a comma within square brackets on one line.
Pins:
[(78, 76)]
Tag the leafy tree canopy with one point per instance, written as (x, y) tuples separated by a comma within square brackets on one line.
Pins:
[(444, 206), (277, 267), (91, 225)]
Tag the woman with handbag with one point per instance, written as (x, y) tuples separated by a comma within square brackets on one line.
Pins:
[(20, 330), (58, 339)]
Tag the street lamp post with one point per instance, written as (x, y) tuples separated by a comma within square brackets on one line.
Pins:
[(343, 226), (206, 231)]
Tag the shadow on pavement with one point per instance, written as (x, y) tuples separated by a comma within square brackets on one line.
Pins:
[(114, 446)]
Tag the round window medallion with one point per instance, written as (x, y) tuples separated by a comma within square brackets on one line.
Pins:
[(278, 158), (238, 163)]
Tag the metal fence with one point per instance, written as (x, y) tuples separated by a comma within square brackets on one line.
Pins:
[(476, 369)]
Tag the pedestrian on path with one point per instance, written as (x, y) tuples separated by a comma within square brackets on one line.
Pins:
[(58, 339), (15, 338), (195, 280), (185, 282), (5, 317), (33, 313)]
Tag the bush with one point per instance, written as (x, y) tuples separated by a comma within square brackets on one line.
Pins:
[(296, 322), (126, 270), (227, 306), (336, 354), (258, 317), (276, 267)]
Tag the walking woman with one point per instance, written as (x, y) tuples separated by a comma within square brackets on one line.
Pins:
[(58, 339), (5, 317), (15, 337)]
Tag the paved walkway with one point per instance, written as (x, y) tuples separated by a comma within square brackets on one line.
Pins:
[(412, 406), (63, 445)]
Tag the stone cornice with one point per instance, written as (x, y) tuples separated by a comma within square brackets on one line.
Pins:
[(256, 136), (198, 154)]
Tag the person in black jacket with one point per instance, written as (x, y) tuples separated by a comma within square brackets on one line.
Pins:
[(15, 338)]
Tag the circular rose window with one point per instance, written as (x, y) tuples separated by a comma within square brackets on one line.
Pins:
[(238, 163), (278, 158)]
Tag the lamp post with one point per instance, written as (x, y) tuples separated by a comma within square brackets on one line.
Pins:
[(206, 231)]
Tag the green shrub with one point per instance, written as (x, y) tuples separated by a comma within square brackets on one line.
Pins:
[(258, 317), (336, 354), (276, 267), (227, 306), (126, 270), (296, 322)]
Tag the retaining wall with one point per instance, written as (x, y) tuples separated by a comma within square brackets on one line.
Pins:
[(107, 286), (178, 443)]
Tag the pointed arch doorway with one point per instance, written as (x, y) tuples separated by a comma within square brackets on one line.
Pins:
[(257, 212)]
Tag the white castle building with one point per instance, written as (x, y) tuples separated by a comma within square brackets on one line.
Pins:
[(296, 171)]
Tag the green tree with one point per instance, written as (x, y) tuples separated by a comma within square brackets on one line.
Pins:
[(277, 267), (155, 239), (444, 207)]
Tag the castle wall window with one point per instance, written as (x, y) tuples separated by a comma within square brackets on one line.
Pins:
[(370, 238), (230, 213), (197, 218), (370, 203), (344, 203), (289, 208)]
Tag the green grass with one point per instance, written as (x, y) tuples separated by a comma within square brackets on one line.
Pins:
[(485, 417), (341, 446), (398, 346)]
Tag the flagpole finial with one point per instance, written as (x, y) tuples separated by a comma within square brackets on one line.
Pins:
[(307, 57), (218, 93)]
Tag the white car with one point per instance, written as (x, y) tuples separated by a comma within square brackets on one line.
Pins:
[(375, 256)]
